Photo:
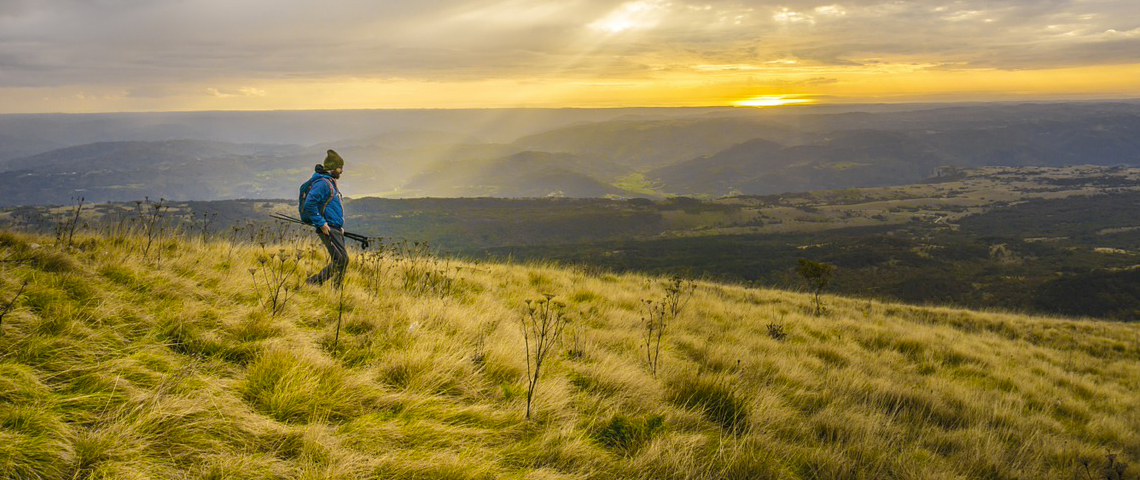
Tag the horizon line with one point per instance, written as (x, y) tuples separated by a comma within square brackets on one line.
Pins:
[(815, 105)]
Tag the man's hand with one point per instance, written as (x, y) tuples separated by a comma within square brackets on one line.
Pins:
[(325, 228)]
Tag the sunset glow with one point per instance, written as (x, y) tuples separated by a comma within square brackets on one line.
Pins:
[(773, 101), (160, 55)]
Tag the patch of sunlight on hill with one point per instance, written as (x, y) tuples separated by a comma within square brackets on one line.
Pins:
[(637, 183), (136, 356)]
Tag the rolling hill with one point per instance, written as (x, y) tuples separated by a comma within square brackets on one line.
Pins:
[(175, 169), (757, 167), (879, 157), (647, 144), (525, 174)]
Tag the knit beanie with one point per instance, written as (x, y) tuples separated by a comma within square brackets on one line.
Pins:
[(333, 161)]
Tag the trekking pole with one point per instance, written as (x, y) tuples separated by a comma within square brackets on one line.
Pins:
[(354, 236)]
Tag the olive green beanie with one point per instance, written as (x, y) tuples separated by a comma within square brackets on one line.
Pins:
[(333, 161)]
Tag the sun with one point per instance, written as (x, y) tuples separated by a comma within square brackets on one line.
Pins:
[(773, 101)]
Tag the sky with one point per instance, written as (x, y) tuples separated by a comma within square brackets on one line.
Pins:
[(164, 55)]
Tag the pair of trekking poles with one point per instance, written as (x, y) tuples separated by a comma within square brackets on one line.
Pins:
[(354, 236)]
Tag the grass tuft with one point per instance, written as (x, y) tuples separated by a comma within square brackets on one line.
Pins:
[(33, 443), (627, 435), (245, 467), (714, 397), (53, 261), (301, 387), (20, 385)]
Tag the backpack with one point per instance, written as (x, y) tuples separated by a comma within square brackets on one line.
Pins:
[(304, 193)]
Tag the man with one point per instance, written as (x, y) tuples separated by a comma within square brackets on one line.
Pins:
[(323, 210)]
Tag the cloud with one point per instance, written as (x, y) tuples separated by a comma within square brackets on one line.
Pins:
[(221, 42), (12, 8), (156, 91), (636, 15), (236, 92), (816, 81)]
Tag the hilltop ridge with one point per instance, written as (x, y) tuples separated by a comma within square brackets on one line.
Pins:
[(136, 355)]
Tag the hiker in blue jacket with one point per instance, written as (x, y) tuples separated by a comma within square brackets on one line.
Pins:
[(322, 209)]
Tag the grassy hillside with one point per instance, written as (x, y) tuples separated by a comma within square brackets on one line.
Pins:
[(126, 360)]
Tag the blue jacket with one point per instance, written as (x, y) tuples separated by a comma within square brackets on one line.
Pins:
[(319, 192)]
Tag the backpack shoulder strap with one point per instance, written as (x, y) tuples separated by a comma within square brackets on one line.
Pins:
[(332, 192)]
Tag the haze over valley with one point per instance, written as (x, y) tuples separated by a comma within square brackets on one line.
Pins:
[(651, 153)]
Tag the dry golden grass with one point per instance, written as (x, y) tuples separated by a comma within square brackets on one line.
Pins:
[(117, 366)]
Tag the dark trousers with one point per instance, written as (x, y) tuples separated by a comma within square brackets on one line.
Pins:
[(338, 257)]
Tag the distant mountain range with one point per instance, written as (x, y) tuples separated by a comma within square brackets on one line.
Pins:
[(864, 158), (47, 159), (647, 144), (176, 169), (525, 174)]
